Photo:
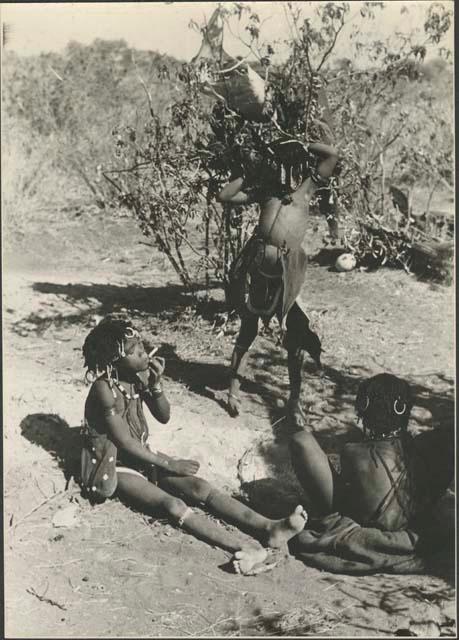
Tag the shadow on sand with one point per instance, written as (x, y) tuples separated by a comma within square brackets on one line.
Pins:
[(165, 302), (53, 434)]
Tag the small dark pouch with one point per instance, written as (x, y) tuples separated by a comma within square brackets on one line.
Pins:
[(98, 466)]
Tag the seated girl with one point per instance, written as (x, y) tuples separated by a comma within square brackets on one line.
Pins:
[(374, 514), (117, 461)]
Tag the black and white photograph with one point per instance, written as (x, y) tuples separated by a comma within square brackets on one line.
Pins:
[(228, 319)]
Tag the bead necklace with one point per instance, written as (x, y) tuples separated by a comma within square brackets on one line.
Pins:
[(127, 395), (382, 436)]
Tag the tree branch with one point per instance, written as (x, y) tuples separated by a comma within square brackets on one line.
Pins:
[(388, 144), (152, 113), (332, 46), (129, 169)]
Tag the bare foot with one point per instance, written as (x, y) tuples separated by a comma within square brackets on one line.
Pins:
[(281, 531), (246, 560), (234, 405)]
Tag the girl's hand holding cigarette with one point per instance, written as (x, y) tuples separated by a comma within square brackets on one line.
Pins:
[(150, 379), (156, 367)]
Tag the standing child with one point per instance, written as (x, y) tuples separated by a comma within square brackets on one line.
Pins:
[(116, 459), (267, 277)]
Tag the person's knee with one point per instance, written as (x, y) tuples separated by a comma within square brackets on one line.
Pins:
[(174, 507), (301, 442), (200, 489), (297, 439)]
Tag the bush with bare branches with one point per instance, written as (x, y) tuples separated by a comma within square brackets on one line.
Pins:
[(171, 170)]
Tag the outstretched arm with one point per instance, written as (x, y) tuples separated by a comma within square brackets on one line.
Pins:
[(119, 434)]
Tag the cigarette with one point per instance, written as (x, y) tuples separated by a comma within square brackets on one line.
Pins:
[(152, 352)]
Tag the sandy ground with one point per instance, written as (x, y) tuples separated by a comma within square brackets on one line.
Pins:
[(117, 573)]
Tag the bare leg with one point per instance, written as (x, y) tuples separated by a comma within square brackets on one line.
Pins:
[(274, 533), (295, 361), (299, 340), (247, 334), (150, 498), (313, 470)]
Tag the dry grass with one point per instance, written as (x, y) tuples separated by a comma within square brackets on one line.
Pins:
[(32, 180)]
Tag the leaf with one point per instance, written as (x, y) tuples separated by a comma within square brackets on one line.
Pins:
[(67, 517)]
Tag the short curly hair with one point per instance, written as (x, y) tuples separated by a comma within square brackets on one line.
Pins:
[(105, 342), (384, 403)]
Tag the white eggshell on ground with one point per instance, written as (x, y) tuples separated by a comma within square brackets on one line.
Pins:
[(345, 262)]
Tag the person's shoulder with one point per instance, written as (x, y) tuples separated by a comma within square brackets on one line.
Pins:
[(354, 445), (101, 394)]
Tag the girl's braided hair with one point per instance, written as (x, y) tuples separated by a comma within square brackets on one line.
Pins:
[(384, 403), (105, 343)]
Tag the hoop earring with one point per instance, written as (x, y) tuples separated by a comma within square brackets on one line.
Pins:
[(399, 413), (91, 376)]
